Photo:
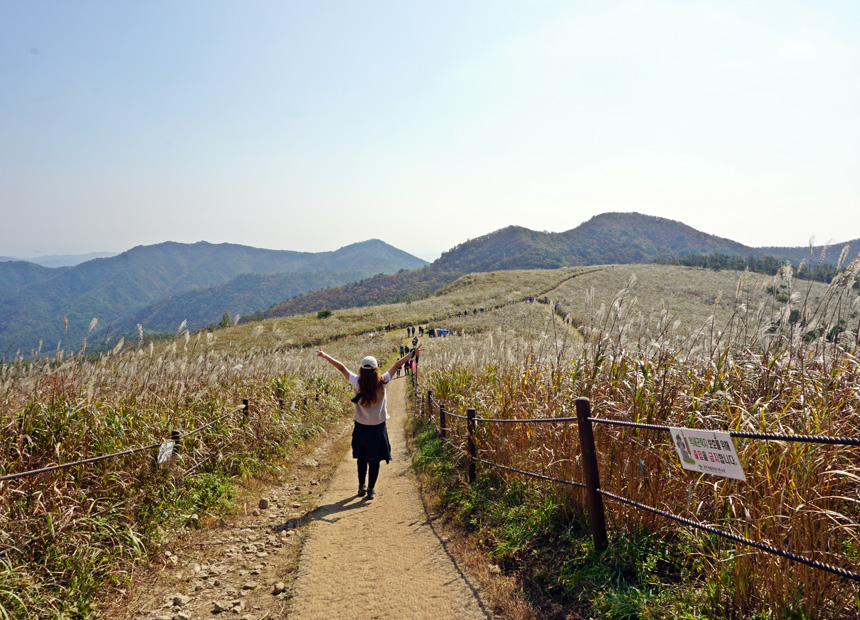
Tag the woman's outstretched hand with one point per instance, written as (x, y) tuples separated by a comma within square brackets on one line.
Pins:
[(343, 369)]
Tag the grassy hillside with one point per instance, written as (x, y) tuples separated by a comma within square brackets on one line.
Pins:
[(69, 536), (689, 296), (377, 290), (755, 367), (466, 294), (605, 239)]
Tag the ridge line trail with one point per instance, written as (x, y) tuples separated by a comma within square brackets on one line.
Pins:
[(559, 320), (379, 558)]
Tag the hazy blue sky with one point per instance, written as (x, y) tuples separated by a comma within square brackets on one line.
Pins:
[(311, 125)]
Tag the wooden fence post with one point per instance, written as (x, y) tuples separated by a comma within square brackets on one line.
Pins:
[(442, 421), (472, 448), (429, 410), (596, 514)]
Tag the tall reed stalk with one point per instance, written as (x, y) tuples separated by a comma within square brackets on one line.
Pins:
[(774, 362), (65, 535)]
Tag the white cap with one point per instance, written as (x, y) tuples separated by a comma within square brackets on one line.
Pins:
[(369, 362)]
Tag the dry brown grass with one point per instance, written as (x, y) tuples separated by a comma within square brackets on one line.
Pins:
[(749, 368), (64, 534)]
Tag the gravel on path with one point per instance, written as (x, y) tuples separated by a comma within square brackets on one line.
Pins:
[(380, 558), (358, 558)]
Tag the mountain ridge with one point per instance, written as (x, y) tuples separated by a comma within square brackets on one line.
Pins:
[(37, 299), (156, 285), (612, 237)]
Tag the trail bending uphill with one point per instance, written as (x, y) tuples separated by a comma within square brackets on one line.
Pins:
[(379, 558)]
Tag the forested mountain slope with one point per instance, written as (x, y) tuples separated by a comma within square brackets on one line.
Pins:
[(115, 289)]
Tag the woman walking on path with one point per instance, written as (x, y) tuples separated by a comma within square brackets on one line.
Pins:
[(369, 436)]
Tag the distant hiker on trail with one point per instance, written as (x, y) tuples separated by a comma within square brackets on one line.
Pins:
[(370, 443)]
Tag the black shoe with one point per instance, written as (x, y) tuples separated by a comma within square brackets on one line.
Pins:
[(371, 493), (361, 490)]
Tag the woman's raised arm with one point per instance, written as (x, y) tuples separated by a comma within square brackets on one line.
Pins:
[(343, 369)]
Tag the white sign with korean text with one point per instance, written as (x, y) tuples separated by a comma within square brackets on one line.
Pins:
[(708, 452)]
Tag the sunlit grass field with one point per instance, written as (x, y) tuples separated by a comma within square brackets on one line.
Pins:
[(748, 353), (469, 293), (647, 343)]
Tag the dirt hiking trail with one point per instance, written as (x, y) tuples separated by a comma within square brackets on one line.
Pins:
[(358, 559), (379, 558)]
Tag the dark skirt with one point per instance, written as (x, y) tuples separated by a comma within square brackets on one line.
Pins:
[(370, 442)]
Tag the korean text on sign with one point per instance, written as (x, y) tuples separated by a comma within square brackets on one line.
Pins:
[(709, 452)]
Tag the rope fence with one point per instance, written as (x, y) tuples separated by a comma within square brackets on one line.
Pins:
[(822, 439), (595, 495), (175, 436), (734, 537), (532, 474)]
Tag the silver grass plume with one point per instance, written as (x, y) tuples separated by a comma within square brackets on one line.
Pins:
[(842, 256)]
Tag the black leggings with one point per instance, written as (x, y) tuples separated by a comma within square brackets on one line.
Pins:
[(362, 472)]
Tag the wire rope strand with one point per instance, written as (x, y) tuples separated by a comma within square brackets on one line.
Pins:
[(104, 457), (823, 439), (94, 459), (532, 474), (740, 539)]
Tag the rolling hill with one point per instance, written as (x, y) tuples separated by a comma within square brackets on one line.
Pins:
[(36, 299), (15, 275), (610, 238), (160, 286), (240, 296)]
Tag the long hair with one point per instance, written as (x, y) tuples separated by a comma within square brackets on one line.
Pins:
[(369, 386)]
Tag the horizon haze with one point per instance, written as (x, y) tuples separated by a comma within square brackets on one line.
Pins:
[(305, 127)]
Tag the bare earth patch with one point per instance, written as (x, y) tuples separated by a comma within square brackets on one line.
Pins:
[(244, 564)]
